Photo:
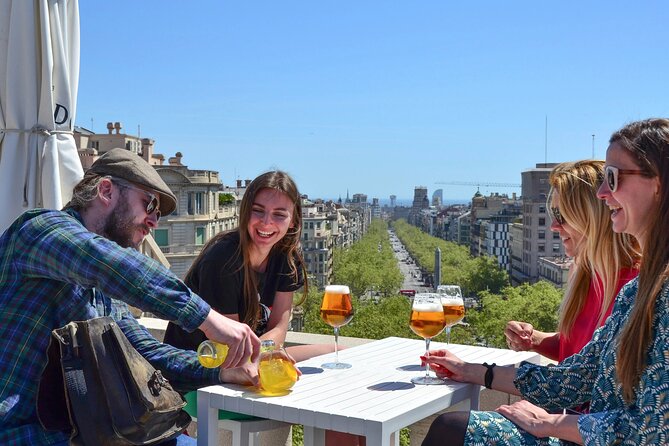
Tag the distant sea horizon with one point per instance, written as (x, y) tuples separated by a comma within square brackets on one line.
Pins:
[(407, 202)]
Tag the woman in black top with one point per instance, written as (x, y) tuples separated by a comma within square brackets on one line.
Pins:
[(251, 273)]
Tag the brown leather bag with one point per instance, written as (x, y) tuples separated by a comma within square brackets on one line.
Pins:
[(99, 388)]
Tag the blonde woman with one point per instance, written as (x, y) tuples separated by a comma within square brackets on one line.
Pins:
[(603, 262), (624, 370)]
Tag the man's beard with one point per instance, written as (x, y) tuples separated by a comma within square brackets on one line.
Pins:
[(120, 227)]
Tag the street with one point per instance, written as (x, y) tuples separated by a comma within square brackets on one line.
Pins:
[(409, 269)]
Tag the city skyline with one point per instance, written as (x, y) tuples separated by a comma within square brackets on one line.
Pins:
[(385, 97)]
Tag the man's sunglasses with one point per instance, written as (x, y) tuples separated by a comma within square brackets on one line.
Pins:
[(557, 216), (612, 174), (152, 205)]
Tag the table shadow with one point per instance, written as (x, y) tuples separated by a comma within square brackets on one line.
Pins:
[(411, 368), (392, 385), (310, 370)]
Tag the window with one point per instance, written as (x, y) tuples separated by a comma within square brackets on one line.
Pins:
[(542, 248), (318, 225), (542, 221), (542, 209), (161, 237), (196, 203), (556, 236), (556, 248), (542, 235), (199, 236)]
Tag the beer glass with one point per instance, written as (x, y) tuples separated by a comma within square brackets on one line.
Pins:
[(454, 306), (336, 311), (427, 321)]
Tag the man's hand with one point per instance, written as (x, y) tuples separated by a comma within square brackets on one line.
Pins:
[(246, 375), (240, 339)]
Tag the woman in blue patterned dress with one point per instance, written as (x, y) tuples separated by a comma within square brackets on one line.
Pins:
[(624, 370)]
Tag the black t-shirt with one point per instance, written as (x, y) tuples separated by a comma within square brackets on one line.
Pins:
[(219, 280)]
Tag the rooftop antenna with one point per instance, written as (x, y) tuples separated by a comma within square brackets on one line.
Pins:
[(139, 133), (92, 126), (546, 141), (593, 147)]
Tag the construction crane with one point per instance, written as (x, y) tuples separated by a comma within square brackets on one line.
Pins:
[(478, 184)]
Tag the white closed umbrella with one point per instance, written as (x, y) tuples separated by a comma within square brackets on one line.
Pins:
[(39, 77)]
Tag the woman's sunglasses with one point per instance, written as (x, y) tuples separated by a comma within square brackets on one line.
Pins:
[(612, 174), (152, 205), (557, 216)]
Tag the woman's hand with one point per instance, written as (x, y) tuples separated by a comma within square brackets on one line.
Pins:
[(445, 364), (540, 423), (530, 418), (519, 336)]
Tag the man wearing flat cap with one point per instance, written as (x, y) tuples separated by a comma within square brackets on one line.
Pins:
[(81, 263)]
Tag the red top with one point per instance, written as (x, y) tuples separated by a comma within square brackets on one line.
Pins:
[(586, 322)]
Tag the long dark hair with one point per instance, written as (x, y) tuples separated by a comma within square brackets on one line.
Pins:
[(648, 143), (289, 244)]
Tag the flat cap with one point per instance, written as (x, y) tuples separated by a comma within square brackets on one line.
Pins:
[(124, 164)]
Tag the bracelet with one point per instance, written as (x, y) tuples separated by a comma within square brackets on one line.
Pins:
[(489, 375)]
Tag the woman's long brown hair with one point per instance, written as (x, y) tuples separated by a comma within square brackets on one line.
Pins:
[(289, 244), (648, 143)]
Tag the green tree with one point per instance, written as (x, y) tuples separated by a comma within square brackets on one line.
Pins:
[(369, 265), (224, 199), (537, 304), (474, 275), (486, 275)]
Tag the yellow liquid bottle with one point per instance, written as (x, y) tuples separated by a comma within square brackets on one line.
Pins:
[(211, 354), (276, 372)]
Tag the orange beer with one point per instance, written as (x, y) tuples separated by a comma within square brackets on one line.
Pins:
[(427, 319), (336, 309), (454, 310)]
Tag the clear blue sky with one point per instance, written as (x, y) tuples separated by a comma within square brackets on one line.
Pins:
[(375, 97)]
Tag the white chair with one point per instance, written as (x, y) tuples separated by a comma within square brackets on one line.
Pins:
[(247, 432)]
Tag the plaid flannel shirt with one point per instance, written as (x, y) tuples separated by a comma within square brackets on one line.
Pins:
[(53, 271)]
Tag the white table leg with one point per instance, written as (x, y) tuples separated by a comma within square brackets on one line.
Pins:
[(313, 436), (475, 397), (383, 439), (207, 421)]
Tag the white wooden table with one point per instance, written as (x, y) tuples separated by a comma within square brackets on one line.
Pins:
[(373, 398)]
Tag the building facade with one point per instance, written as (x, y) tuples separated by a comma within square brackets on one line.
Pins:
[(538, 239)]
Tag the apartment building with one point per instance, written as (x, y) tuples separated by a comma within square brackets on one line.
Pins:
[(538, 239), (420, 202), (555, 270), (200, 213), (516, 251), (490, 218)]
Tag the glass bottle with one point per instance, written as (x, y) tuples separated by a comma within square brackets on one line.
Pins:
[(276, 371), (211, 354)]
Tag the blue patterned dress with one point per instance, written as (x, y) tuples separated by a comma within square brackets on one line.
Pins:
[(590, 376)]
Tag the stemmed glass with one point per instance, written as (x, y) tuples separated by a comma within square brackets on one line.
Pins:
[(454, 306), (427, 321), (336, 311)]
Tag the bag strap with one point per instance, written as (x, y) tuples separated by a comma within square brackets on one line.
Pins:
[(75, 383)]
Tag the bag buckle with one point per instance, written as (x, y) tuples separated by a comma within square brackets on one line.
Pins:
[(156, 383)]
